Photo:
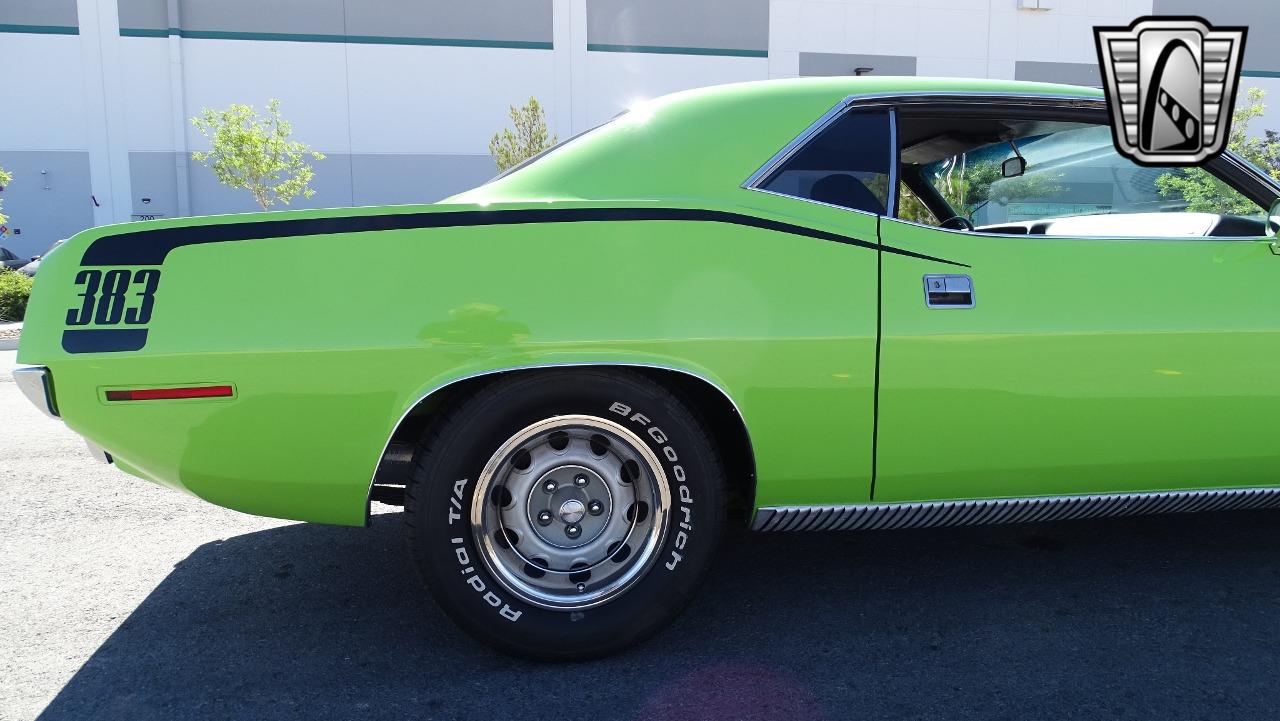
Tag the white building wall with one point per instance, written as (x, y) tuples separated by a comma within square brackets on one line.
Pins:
[(144, 66), (617, 81), (953, 38), (442, 112), (45, 109), (404, 122), (44, 141)]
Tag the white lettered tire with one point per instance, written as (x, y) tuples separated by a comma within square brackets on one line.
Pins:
[(565, 513)]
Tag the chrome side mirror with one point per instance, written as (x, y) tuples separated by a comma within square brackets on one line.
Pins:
[(1273, 219)]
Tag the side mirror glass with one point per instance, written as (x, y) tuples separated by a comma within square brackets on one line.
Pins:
[(1273, 219), (1013, 167)]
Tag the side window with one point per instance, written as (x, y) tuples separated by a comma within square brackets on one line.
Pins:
[(1074, 184), (847, 164)]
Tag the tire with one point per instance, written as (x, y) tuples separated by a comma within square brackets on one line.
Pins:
[(501, 480)]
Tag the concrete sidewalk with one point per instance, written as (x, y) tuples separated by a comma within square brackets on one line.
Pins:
[(8, 361)]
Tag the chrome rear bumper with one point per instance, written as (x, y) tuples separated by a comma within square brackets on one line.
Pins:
[(98, 453), (37, 385)]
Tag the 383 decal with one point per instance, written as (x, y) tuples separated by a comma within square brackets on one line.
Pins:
[(114, 304), (109, 293)]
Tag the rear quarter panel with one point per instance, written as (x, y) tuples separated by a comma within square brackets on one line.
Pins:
[(325, 359)]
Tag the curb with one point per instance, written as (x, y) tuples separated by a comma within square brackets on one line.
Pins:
[(9, 343)]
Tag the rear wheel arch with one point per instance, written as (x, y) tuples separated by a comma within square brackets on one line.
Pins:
[(713, 405)]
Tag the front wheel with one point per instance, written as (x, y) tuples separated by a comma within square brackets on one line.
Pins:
[(565, 514)]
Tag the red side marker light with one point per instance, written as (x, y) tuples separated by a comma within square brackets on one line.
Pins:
[(157, 394)]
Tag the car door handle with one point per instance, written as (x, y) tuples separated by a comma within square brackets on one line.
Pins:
[(948, 291)]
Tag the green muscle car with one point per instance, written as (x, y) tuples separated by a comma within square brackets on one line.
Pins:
[(838, 303)]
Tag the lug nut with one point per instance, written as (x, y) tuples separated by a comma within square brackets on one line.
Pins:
[(580, 480), (544, 518), (595, 508), (550, 486), (573, 530), (582, 587)]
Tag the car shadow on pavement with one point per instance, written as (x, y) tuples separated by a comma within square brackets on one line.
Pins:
[(1165, 617)]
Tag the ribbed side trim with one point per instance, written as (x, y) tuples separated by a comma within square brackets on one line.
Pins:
[(1007, 510)]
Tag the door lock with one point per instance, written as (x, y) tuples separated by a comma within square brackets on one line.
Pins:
[(948, 291)]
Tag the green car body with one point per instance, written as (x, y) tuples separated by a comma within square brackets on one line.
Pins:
[(1085, 367)]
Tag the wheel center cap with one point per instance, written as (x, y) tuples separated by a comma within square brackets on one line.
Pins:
[(572, 511)]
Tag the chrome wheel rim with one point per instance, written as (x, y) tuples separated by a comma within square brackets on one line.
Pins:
[(570, 512)]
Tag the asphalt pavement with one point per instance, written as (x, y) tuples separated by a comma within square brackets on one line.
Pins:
[(123, 600)]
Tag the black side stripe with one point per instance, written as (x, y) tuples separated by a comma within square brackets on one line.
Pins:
[(150, 247)]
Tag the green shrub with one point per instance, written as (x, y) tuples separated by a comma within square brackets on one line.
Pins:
[(15, 289), (530, 137)]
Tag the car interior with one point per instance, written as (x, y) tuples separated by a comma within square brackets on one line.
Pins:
[(1036, 173), (846, 165), (844, 190), (1067, 179)]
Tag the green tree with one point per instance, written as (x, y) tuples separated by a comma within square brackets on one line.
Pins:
[(968, 189), (5, 179), (510, 148), (1201, 191), (912, 208), (254, 152)]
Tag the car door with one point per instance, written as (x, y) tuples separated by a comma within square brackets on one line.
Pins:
[(1085, 339)]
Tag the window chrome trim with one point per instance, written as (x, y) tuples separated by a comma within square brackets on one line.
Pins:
[(891, 196), (792, 147), (910, 97), (976, 98), (979, 98), (842, 208), (991, 511), (1266, 180), (892, 99)]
